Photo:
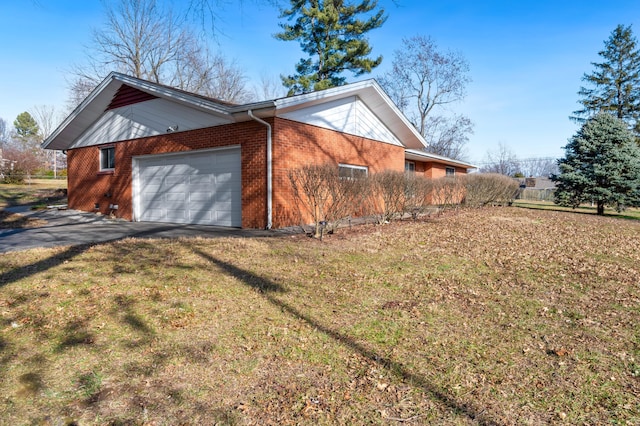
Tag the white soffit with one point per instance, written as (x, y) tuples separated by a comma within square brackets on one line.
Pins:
[(144, 119)]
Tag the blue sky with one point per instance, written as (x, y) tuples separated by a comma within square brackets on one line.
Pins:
[(527, 58)]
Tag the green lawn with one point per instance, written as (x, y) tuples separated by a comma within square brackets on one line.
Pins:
[(496, 316)]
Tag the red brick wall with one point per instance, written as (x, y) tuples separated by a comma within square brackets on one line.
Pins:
[(87, 186), (296, 144), (436, 170)]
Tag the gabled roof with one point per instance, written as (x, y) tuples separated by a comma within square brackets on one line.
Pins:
[(99, 100), (102, 99)]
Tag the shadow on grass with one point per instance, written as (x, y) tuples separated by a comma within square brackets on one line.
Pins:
[(124, 311), (75, 334), (267, 287), (17, 274)]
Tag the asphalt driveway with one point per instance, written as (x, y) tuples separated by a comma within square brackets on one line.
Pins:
[(72, 227)]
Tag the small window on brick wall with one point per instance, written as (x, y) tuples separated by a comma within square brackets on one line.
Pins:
[(409, 166), (451, 171), (349, 171), (107, 158)]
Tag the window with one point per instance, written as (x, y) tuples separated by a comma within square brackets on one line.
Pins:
[(409, 166), (450, 171), (107, 158), (352, 172)]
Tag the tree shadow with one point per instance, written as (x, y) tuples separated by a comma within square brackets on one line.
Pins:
[(266, 287), (17, 274), (75, 334), (124, 311)]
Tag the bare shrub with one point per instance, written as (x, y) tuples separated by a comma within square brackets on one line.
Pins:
[(325, 196), (448, 192), (346, 197), (418, 191), (388, 195), (482, 189), (396, 194)]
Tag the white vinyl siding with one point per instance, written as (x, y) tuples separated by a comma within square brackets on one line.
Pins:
[(348, 115), (199, 187), (150, 118)]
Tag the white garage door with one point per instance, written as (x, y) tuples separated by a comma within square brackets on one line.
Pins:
[(199, 187)]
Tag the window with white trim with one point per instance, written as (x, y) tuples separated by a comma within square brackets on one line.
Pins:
[(450, 171), (409, 166), (349, 171), (107, 158)]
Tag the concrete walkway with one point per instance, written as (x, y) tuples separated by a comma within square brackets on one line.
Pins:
[(72, 227)]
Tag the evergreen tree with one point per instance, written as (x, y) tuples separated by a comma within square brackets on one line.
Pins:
[(614, 85), (26, 126), (601, 165), (330, 32)]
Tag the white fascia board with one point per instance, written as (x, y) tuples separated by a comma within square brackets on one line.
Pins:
[(265, 109), (413, 154)]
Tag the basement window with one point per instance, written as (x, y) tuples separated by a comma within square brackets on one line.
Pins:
[(451, 171), (348, 171), (107, 158)]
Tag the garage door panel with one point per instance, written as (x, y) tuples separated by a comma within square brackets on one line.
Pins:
[(200, 187), (154, 214), (156, 204), (176, 179), (175, 196), (203, 179), (206, 197)]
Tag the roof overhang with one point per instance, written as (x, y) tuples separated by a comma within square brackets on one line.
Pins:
[(97, 102), (417, 155)]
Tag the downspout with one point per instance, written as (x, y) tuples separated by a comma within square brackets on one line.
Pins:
[(269, 167)]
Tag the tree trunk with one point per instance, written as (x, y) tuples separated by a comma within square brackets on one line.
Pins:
[(600, 208)]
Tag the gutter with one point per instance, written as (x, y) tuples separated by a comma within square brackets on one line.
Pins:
[(269, 168)]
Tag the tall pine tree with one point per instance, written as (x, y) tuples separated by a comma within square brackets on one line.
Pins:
[(614, 85), (601, 165), (333, 36), (26, 126)]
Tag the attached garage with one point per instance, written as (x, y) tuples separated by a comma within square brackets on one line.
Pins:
[(198, 187)]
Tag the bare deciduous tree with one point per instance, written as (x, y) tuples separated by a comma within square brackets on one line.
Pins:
[(503, 161), (147, 39), (534, 167), (448, 136), (270, 87), (5, 132), (48, 118), (422, 83)]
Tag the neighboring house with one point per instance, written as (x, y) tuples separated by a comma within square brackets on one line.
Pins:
[(148, 152)]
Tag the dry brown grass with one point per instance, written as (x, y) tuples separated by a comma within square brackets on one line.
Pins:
[(494, 316)]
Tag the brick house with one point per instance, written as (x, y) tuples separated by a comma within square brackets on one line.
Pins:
[(148, 152)]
